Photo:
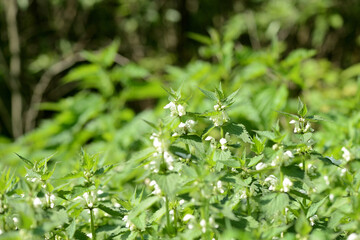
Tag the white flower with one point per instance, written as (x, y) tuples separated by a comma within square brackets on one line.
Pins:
[(50, 199), (203, 225), (187, 217), (171, 106), (181, 110), (331, 197), (217, 107), (243, 194), (326, 178), (176, 109), (292, 121), (307, 127), (343, 172), (128, 223), (275, 161), (287, 184), (89, 198), (169, 160), (219, 186), (211, 140), (353, 236), (313, 219), (37, 202), (223, 142), (272, 180), (157, 142), (260, 166), (288, 154), (157, 190), (184, 128), (220, 118), (346, 154), (182, 201)]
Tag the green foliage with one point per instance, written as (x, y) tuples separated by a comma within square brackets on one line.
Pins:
[(209, 157)]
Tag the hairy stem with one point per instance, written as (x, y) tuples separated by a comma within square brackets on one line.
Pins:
[(92, 224)]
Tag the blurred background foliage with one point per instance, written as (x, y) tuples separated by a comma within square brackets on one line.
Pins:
[(86, 73)]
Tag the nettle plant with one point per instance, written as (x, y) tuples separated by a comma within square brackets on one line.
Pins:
[(203, 176)]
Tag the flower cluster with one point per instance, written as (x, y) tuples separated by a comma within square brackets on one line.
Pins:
[(287, 183), (176, 109), (301, 126), (185, 127), (220, 118), (272, 181), (223, 141)]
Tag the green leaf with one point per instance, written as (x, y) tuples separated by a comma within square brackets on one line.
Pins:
[(255, 160), (258, 146), (209, 94), (79, 235), (148, 202), (273, 204), (293, 171), (70, 230), (238, 130), (27, 161), (267, 134), (158, 215), (315, 206), (299, 194), (302, 110), (140, 221), (111, 211), (151, 124), (169, 184), (200, 38), (302, 225)]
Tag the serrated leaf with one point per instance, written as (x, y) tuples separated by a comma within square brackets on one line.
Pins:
[(70, 230), (140, 221), (71, 176), (231, 97), (258, 146), (293, 171), (302, 225), (157, 215), (169, 184), (302, 109), (289, 115), (151, 124), (267, 134), (299, 194), (27, 161), (326, 159), (315, 206), (141, 155), (180, 152), (209, 94), (238, 130), (272, 204), (316, 118), (103, 170), (231, 163), (142, 206), (255, 160), (111, 211), (79, 235)]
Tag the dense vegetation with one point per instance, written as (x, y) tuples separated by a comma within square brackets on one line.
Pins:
[(162, 129)]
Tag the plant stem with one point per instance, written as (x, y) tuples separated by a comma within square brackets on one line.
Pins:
[(167, 212), (92, 224)]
